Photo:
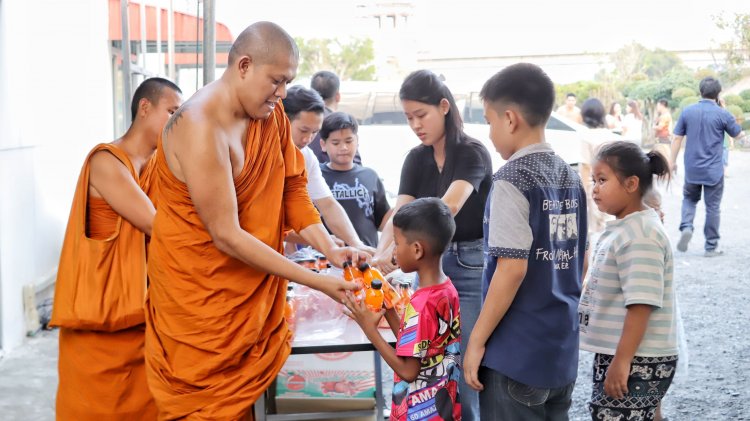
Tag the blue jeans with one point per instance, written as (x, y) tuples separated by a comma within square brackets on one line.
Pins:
[(505, 399), (712, 197), (463, 262)]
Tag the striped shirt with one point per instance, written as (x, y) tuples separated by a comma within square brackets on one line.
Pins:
[(633, 264)]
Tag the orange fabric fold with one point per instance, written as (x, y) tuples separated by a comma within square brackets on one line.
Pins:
[(103, 376), (101, 219), (98, 304), (216, 336)]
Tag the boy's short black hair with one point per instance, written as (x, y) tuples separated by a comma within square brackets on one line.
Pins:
[(298, 99), (710, 88), (663, 101), (427, 219), (152, 90), (326, 83), (593, 114), (525, 85), (338, 121), (571, 94)]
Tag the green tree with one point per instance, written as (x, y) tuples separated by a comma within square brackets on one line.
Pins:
[(658, 63), (745, 94), (736, 111), (733, 100), (634, 62), (350, 60), (689, 101), (680, 94), (738, 47)]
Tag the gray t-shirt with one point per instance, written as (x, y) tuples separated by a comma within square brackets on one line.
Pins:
[(362, 195)]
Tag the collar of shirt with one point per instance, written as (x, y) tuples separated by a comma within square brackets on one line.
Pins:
[(647, 213), (528, 150)]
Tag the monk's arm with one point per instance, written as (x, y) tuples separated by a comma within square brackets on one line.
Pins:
[(110, 179), (206, 167), (338, 221)]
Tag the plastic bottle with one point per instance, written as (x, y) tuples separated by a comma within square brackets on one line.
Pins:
[(374, 296), (406, 292), (323, 263), (351, 273), (290, 309), (370, 274)]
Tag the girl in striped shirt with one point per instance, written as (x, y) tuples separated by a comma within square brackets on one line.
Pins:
[(627, 309)]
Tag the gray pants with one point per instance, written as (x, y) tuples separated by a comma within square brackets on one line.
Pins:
[(504, 399)]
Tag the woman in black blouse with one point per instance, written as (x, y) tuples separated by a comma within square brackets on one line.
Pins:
[(458, 169)]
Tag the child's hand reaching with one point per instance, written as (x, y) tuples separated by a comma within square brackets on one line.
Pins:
[(358, 312)]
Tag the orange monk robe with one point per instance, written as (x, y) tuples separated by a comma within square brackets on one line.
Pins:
[(102, 375), (216, 336)]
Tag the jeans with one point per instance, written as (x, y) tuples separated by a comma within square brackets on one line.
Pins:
[(504, 399), (463, 262), (712, 197)]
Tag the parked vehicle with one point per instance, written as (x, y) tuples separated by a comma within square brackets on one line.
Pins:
[(385, 137)]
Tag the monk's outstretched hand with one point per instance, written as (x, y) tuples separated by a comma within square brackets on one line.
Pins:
[(338, 255), (336, 288)]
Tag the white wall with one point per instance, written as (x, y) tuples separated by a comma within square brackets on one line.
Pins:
[(55, 104)]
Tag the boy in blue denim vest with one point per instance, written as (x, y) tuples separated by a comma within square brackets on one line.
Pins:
[(523, 352)]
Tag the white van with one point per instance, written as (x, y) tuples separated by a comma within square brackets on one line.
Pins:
[(385, 137)]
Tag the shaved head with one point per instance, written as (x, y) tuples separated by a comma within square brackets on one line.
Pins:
[(263, 42)]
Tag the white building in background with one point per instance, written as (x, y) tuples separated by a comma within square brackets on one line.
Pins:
[(55, 104), (61, 93), (394, 37)]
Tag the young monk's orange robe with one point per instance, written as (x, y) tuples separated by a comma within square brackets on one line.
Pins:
[(98, 305), (216, 336)]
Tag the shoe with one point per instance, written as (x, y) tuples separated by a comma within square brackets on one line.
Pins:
[(713, 253), (685, 236)]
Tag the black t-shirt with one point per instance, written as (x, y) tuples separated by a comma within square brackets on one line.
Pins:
[(362, 195), (420, 177)]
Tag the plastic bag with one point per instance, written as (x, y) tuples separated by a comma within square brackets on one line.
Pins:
[(317, 316)]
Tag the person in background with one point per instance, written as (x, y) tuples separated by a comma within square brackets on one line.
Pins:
[(458, 169), (614, 118), (663, 128), (704, 124), (594, 118), (569, 109), (305, 108), (632, 123), (328, 85), (358, 189)]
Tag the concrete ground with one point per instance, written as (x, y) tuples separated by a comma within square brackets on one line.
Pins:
[(713, 296)]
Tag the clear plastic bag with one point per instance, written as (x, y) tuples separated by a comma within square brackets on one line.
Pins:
[(318, 317)]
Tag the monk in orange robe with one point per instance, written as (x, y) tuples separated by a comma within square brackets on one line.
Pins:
[(230, 183), (101, 280)]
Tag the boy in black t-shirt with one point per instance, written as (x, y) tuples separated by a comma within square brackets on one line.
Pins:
[(358, 189)]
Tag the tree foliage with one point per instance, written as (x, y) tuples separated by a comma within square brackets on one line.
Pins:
[(350, 60), (738, 47)]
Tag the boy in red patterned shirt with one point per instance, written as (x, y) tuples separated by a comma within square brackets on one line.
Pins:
[(427, 354)]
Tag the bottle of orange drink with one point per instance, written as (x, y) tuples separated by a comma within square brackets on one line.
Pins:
[(390, 295), (374, 296)]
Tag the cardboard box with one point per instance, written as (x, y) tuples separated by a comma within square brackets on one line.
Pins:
[(348, 375)]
